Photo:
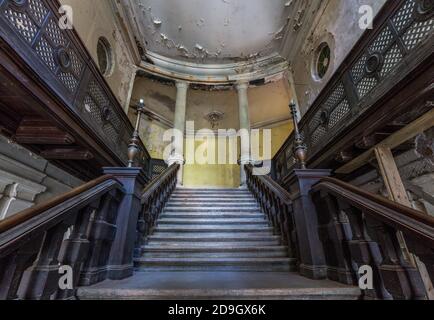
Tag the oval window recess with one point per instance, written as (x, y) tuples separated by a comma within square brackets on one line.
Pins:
[(105, 57), (322, 61)]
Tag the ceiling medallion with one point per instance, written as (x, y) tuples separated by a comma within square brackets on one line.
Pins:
[(214, 118)]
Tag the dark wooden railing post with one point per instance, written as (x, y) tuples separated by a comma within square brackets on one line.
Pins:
[(120, 264), (102, 235), (312, 260), (74, 231), (12, 268), (277, 205), (42, 280), (368, 238), (76, 248), (153, 200)]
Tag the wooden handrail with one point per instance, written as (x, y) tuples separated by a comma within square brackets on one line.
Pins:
[(276, 188), (33, 212), (155, 183), (403, 218)]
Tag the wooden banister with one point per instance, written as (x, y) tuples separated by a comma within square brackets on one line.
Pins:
[(32, 212), (276, 203), (358, 228), (154, 198), (378, 206), (76, 229)]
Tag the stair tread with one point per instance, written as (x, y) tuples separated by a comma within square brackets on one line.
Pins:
[(214, 260), (214, 248)]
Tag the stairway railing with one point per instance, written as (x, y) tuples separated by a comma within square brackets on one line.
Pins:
[(277, 205), (358, 229), (154, 199), (75, 230)]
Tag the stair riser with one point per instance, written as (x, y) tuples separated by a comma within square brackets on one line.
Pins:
[(222, 222), (213, 244), (211, 237), (149, 268), (212, 210), (212, 229), (199, 216), (214, 206), (187, 254)]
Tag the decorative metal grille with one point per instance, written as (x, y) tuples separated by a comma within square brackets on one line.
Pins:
[(32, 27), (408, 27)]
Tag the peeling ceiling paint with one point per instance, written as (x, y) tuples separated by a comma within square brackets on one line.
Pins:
[(213, 31)]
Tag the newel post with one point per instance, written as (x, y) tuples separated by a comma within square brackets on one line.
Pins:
[(312, 262), (120, 264), (312, 259)]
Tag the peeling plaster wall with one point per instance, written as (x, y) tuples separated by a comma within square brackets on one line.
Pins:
[(338, 25), (268, 109), (94, 19), (182, 29)]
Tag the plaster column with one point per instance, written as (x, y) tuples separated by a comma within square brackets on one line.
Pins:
[(177, 155), (243, 104)]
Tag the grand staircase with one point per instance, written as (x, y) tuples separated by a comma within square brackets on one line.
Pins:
[(215, 244), (214, 230)]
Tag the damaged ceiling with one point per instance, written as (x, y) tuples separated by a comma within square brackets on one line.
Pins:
[(211, 31)]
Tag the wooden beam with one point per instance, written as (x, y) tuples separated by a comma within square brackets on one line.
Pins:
[(413, 129), (391, 177), (67, 154), (41, 132)]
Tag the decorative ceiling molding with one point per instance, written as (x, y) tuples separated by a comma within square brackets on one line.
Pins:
[(211, 74)]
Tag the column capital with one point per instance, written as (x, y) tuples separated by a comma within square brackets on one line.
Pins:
[(182, 85), (244, 85)]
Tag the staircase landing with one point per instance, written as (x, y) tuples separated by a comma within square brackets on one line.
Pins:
[(218, 285)]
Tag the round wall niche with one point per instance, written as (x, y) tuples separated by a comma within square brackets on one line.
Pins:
[(105, 57)]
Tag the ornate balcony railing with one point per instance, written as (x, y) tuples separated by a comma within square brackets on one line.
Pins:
[(57, 56), (400, 42)]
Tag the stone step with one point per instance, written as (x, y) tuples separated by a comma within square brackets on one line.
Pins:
[(212, 215), (215, 264), (219, 286), (213, 237), (219, 243), (216, 206), (188, 202), (214, 221), (180, 190), (213, 228), (236, 251), (212, 194), (232, 209), (212, 197), (212, 245)]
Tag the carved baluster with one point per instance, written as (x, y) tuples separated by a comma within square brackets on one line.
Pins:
[(400, 279), (76, 248), (364, 251), (42, 280), (424, 253), (331, 228), (12, 268), (102, 234)]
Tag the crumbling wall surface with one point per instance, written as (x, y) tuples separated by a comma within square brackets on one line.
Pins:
[(97, 18), (337, 24)]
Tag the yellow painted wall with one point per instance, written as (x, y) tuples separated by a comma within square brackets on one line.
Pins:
[(228, 176), (211, 175)]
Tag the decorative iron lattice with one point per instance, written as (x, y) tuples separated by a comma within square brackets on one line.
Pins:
[(31, 27), (403, 31), (34, 22)]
